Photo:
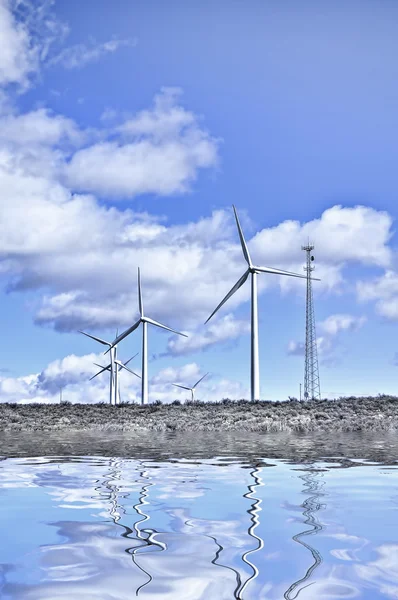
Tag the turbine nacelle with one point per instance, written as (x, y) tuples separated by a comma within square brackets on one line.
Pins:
[(190, 389), (120, 366), (145, 321), (252, 270)]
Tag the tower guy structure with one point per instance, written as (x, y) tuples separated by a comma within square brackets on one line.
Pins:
[(312, 388)]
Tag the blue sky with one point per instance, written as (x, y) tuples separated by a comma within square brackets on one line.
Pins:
[(129, 129)]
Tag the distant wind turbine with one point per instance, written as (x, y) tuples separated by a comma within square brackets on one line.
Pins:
[(144, 320), (119, 366), (113, 351), (252, 270), (190, 389)]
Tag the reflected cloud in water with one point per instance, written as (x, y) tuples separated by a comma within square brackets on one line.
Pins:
[(116, 528)]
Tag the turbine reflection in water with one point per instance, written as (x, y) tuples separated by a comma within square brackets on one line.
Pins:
[(144, 536), (183, 530), (311, 505), (254, 513)]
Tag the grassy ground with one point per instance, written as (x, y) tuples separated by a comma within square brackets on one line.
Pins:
[(346, 414)]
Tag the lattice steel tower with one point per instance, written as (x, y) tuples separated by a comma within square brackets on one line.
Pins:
[(312, 388)]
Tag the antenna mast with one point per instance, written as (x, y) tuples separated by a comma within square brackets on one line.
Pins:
[(312, 389)]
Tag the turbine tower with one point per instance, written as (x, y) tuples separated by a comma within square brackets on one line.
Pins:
[(190, 389), (312, 389), (253, 271), (113, 351), (119, 366), (144, 320)]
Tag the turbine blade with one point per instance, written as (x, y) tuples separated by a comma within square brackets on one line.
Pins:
[(152, 322), (281, 272), (97, 339), (183, 387), (140, 304), (125, 334), (127, 361), (242, 240), (99, 373), (122, 366), (201, 379), (237, 285), (102, 366)]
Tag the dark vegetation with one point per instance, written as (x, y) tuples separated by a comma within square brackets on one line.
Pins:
[(345, 414)]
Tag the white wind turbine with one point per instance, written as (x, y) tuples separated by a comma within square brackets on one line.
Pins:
[(190, 389), (113, 351), (119, 366), (144, 320), (252, 270)]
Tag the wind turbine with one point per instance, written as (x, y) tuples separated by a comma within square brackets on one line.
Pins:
[(253, 271), (144, 320), (119, 366), (191, 389), (113, 351)]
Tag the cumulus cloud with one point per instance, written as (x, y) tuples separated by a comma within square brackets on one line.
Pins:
[(210, 389), (72, 373), (161, 151), (68, 371), (357, 235), (80, 55), (85, 256), (384, 291), (81, 256), (224, 330), (341, 322), (38, 127), (328, 339)]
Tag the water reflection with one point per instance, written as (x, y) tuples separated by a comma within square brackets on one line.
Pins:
[(254, 513), (311, 505), (205, 529)]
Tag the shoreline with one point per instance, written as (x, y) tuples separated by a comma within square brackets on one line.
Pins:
[(370, 414)]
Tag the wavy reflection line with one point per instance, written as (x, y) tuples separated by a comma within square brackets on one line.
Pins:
[(220, 548), (311, 505), (149, 541), (116, 508), (254, 512)]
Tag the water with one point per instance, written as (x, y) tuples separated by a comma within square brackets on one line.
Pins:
[(199, 517)]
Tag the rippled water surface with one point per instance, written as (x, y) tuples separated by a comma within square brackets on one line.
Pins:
[(180, 524)]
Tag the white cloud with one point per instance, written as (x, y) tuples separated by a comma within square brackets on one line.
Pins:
[(18, 59), (27, 31), (383, 290), (296, 348), (68, 371), (85, 256), (187, 373), (224, 330), (327, 341), (161, 152), (39, 127), (209, 390), (356, 235), (341, 322), (80, 55), (72, 373)]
